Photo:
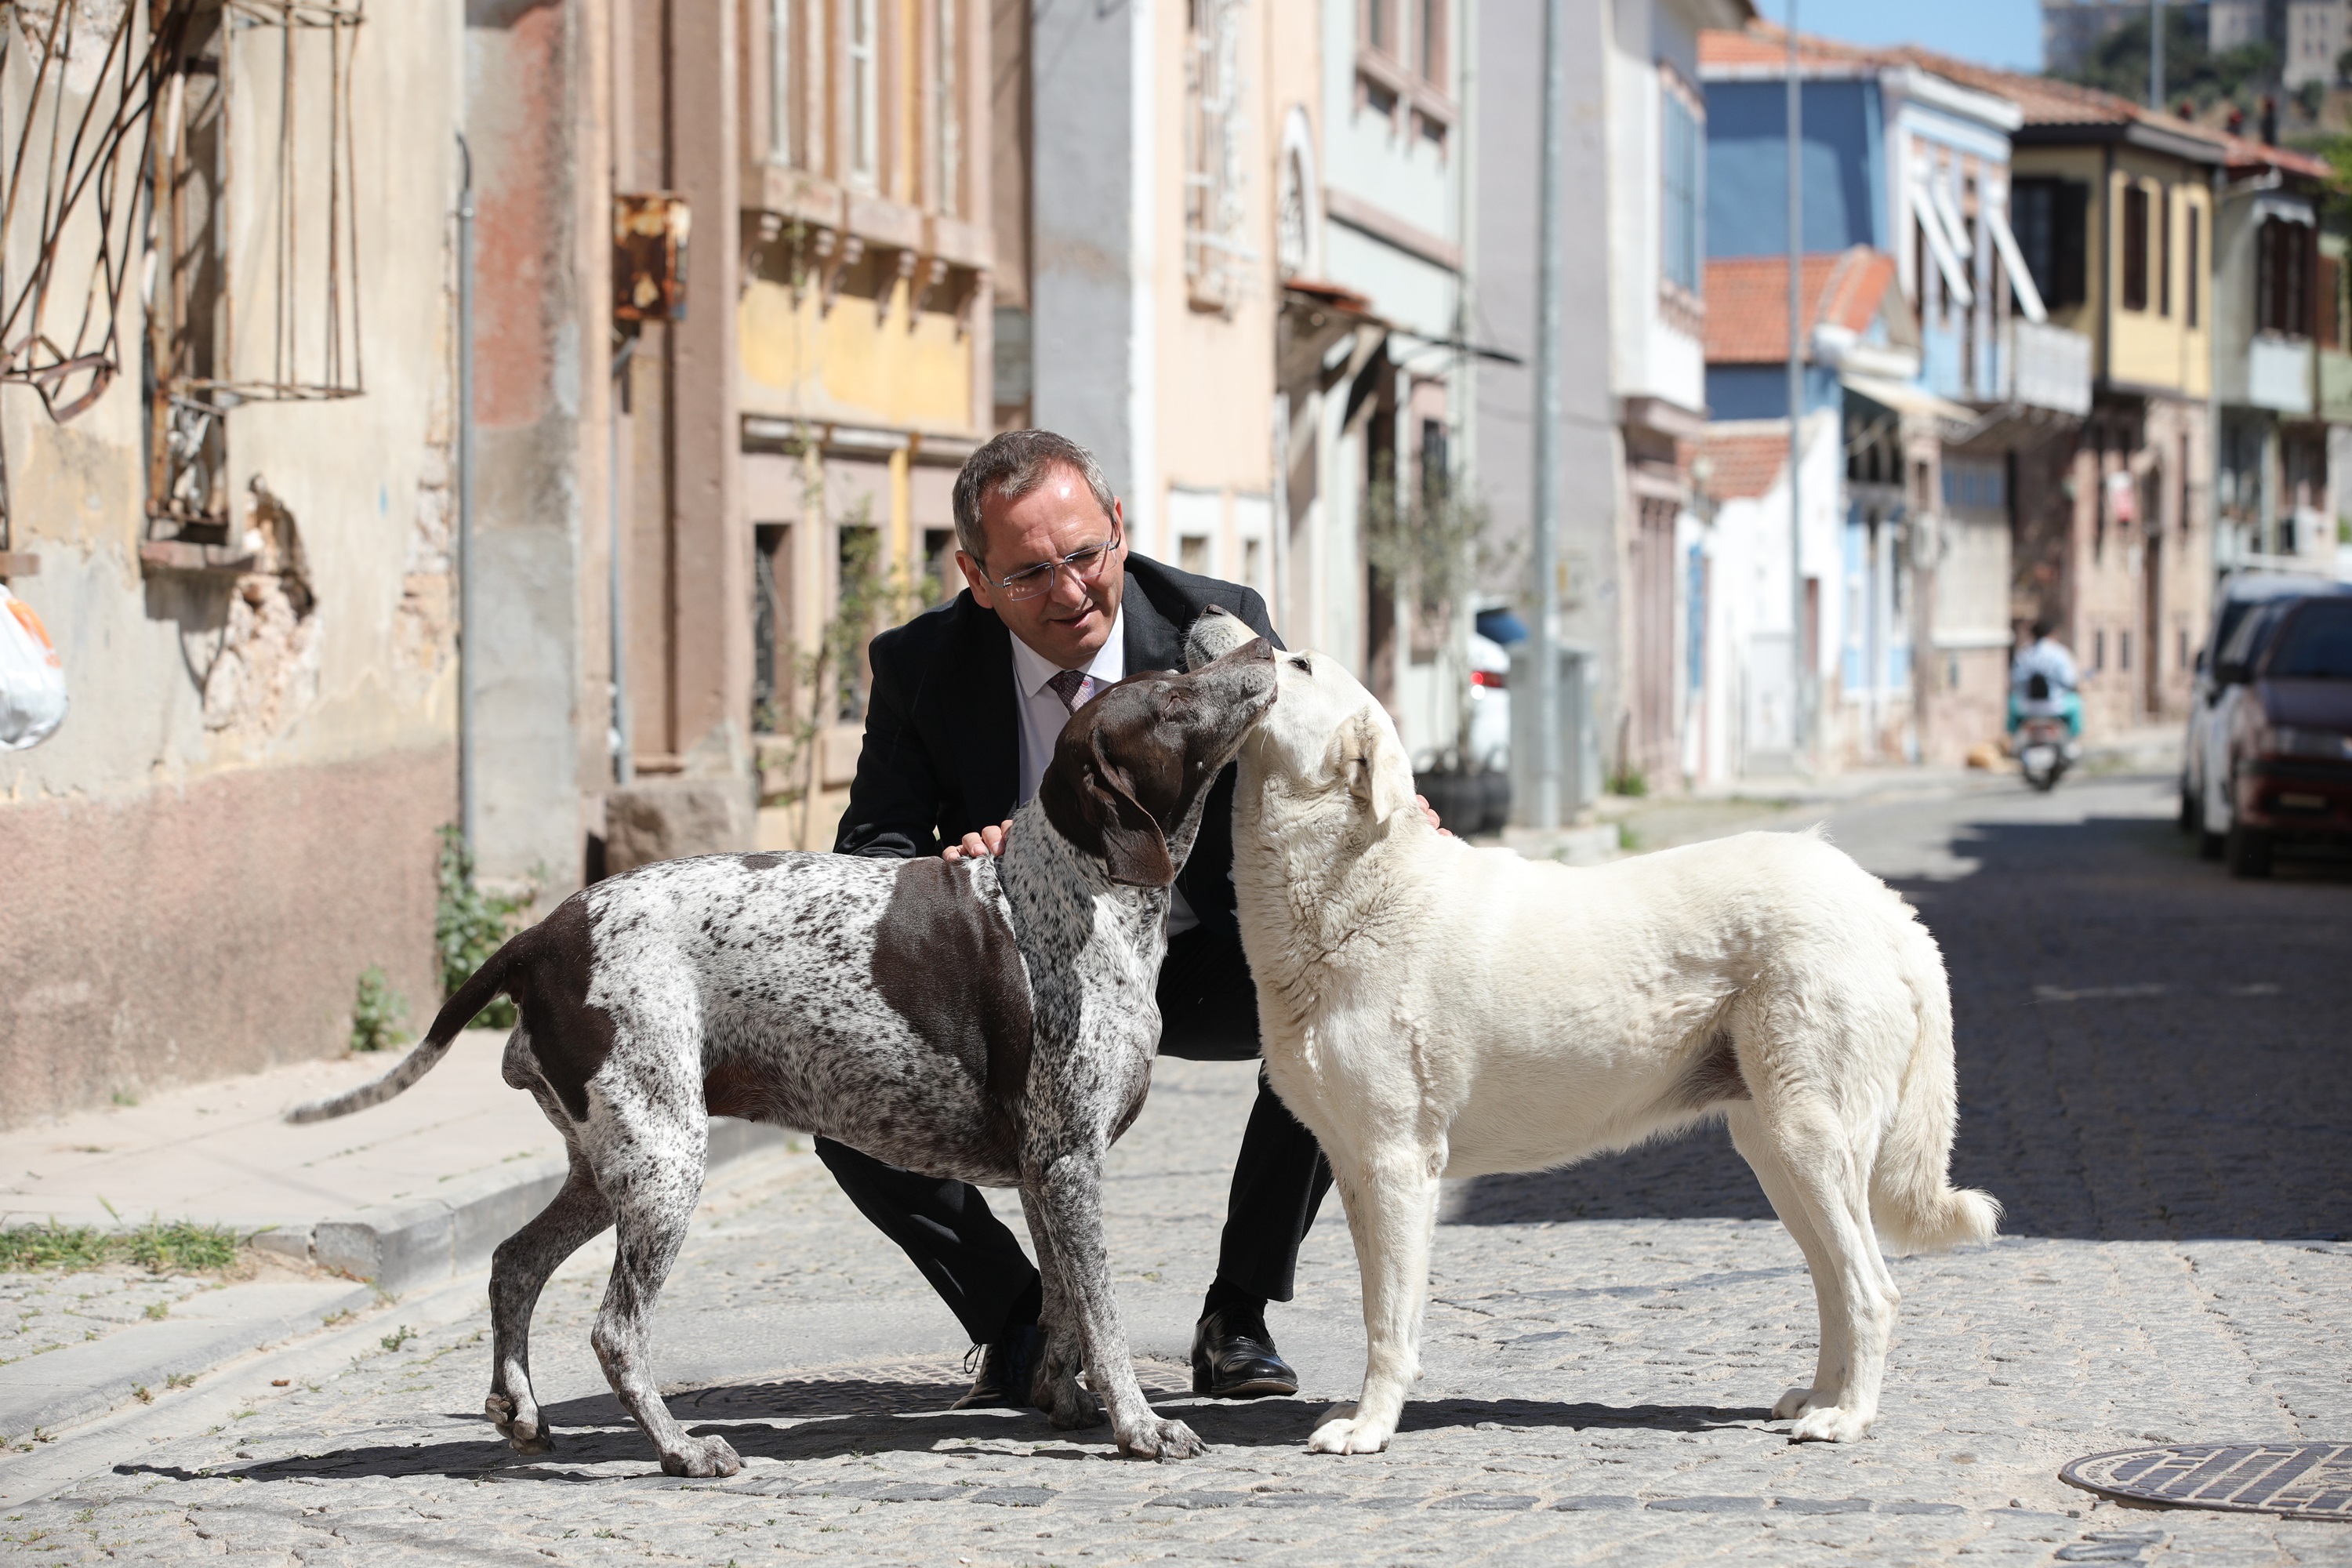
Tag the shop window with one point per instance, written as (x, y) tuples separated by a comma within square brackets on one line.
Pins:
[(773, 646)]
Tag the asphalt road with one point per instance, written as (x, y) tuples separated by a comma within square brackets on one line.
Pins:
[(2153, 1080)]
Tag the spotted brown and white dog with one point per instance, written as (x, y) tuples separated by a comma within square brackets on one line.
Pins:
[(990, 1019)]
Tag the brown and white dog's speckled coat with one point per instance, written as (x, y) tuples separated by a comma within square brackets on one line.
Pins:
[(990, 1019)]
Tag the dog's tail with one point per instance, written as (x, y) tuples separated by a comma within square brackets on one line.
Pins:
[(1913, 1203), (476, 994)]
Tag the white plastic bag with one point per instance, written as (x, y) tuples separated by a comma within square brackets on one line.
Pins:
[(32, 678)]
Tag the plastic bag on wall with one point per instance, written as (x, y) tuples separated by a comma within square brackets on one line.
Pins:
[(32, 678)]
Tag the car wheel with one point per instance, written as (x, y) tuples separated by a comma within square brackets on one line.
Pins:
[(2248, 852)]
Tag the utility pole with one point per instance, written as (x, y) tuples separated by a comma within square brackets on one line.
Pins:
[(469, 647), (1800, 676), (1550, 241), (2156, 55)]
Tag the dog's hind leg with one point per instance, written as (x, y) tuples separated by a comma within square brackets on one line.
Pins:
[(652, 1171), (1747, 1136), (518, 1270), (1829, 1178), (1055, 1386), (1391, 1202), (1067, 1191)]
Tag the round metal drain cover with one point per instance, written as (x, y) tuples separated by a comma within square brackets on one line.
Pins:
[(2308, 1480)]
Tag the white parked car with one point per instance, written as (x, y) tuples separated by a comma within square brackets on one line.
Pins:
[(1490, 705), (2204, 754)]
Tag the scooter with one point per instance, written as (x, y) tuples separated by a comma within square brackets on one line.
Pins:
[(2045, 749)]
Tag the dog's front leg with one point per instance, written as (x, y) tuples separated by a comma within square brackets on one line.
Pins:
[(1054, 1387), (1068, 1188), (1391, 1202), (653, 1170)]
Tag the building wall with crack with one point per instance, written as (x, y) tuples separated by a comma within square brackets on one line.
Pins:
[(238, 816)]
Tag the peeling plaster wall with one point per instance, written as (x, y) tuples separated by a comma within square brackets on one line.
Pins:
[(238, 815)]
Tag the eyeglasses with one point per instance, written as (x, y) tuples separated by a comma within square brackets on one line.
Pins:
[(1085, 565)]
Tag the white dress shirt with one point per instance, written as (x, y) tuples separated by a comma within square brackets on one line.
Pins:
[(1042, 717)]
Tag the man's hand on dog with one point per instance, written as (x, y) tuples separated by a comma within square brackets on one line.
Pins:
[(987, 841), (990, 840)]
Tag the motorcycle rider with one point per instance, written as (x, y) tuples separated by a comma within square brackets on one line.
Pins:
[(2042, 684)]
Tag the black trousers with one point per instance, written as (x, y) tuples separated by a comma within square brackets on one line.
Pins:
[(1208, 1012)]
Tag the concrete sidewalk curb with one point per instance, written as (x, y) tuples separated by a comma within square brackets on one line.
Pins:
[(399, 1249), (45, 1391)]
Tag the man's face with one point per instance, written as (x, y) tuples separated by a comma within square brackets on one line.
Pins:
[(1068, 625)]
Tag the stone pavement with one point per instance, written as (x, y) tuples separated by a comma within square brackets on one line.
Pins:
[(2152, 1079)]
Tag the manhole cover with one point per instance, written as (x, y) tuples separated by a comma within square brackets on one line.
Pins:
[(2309, 1481)]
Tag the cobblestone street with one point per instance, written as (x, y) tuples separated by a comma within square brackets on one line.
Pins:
[(2152, 1081)]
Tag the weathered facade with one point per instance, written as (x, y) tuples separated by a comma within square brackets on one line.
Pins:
[(1632, 364), (2114, 522), (241, 547)]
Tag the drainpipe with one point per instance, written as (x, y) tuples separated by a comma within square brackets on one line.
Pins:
[(1551, 240), (2212, 295), (625, 767), (1801, 671), (468, 782)]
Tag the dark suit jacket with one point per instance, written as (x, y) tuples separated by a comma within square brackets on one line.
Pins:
[(942, 752)]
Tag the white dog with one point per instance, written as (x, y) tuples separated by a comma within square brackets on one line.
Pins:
[(1431, 1010)]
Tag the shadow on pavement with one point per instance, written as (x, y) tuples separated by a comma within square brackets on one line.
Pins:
[(595, 1433), (2148, 1049)]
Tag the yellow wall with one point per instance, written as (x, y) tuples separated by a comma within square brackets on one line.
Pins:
[(2151, 347), (803, 361), (2138, 348)]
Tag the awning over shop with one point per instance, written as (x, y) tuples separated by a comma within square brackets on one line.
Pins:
[(1903, 398)]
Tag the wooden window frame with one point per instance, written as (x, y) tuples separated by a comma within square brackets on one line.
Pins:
[(2131, 249)]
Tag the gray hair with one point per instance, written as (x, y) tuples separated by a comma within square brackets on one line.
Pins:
[(1011, 464)]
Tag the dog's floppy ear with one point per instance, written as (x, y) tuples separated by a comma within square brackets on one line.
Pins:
[(1217, 632), (1374, 766), (1089, 802)]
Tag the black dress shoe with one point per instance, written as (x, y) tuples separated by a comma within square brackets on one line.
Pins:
[(1234, 1357), (1007, 1369)]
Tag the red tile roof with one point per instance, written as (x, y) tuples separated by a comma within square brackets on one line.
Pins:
[(1748, 301), (1745, 462), (2043, 101)]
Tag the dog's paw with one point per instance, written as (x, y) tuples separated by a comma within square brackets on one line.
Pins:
[(1792, 1405), (701, 1457), (1157, 1439), (1345, 1432), (1828, 1425), (1067, 1406)]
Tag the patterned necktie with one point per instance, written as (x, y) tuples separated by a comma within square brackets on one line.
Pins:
[(1074, 687)]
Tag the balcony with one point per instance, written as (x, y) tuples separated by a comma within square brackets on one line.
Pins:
[(2278, 373), (2044, 366), (2335, 386)]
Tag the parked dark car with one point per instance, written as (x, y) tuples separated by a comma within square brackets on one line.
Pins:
[(2291, 739)]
